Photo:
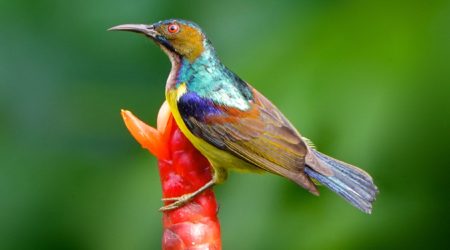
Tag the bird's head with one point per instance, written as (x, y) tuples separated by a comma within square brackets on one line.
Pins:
[(178, 38)]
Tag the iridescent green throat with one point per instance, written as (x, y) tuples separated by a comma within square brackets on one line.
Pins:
[(210, 79)]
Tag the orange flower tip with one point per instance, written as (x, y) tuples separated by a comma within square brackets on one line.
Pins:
[(147, 136), (125, 114)]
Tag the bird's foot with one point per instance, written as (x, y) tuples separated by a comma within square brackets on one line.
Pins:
[(177, 202), (182, 200)]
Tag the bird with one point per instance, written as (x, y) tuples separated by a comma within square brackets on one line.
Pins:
[(236, 127)]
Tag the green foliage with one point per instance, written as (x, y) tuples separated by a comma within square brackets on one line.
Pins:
[(368, 82)]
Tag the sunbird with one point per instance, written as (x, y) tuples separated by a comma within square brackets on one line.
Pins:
[(236, 127)]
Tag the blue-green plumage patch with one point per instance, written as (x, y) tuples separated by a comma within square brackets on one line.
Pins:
[(208, 78)]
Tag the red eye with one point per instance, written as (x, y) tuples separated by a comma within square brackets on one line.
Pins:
[(173, 28)]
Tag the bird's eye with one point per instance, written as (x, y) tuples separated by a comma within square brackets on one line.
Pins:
[(173, 28)]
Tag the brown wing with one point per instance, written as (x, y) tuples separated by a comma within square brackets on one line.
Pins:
[(261, 136)]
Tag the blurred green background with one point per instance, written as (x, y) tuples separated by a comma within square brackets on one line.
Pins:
[(368, 82)]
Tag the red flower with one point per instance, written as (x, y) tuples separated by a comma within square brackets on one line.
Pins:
[(182, 170)]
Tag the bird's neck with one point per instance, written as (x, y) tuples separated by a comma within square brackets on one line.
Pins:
[(208, 78), (200, 73)]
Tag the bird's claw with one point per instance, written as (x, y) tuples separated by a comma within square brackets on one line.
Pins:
[(174, 198), (181, 200), (177, 202)]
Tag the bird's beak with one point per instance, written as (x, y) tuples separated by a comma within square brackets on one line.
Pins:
[(148, 30)]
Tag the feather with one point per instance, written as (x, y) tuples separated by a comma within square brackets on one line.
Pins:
[(261, 135)]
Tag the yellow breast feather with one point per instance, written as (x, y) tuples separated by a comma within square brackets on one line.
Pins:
[(218, 158)]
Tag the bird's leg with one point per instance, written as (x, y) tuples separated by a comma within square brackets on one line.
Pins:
[(181, 200)]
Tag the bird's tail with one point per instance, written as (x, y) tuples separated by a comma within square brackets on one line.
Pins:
[(350, 182)]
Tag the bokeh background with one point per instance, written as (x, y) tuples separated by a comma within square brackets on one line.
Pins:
[(368, 82)]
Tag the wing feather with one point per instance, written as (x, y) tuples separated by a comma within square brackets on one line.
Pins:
[(261, 135)]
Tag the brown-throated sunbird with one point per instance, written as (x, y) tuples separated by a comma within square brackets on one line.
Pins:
[(236, 127)]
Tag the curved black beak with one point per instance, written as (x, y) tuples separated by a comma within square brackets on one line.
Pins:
[(148, 30)]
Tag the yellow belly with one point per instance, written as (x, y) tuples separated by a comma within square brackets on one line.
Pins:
[(219, 159)]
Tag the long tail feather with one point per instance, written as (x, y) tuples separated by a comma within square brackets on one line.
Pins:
[(350, 182)]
